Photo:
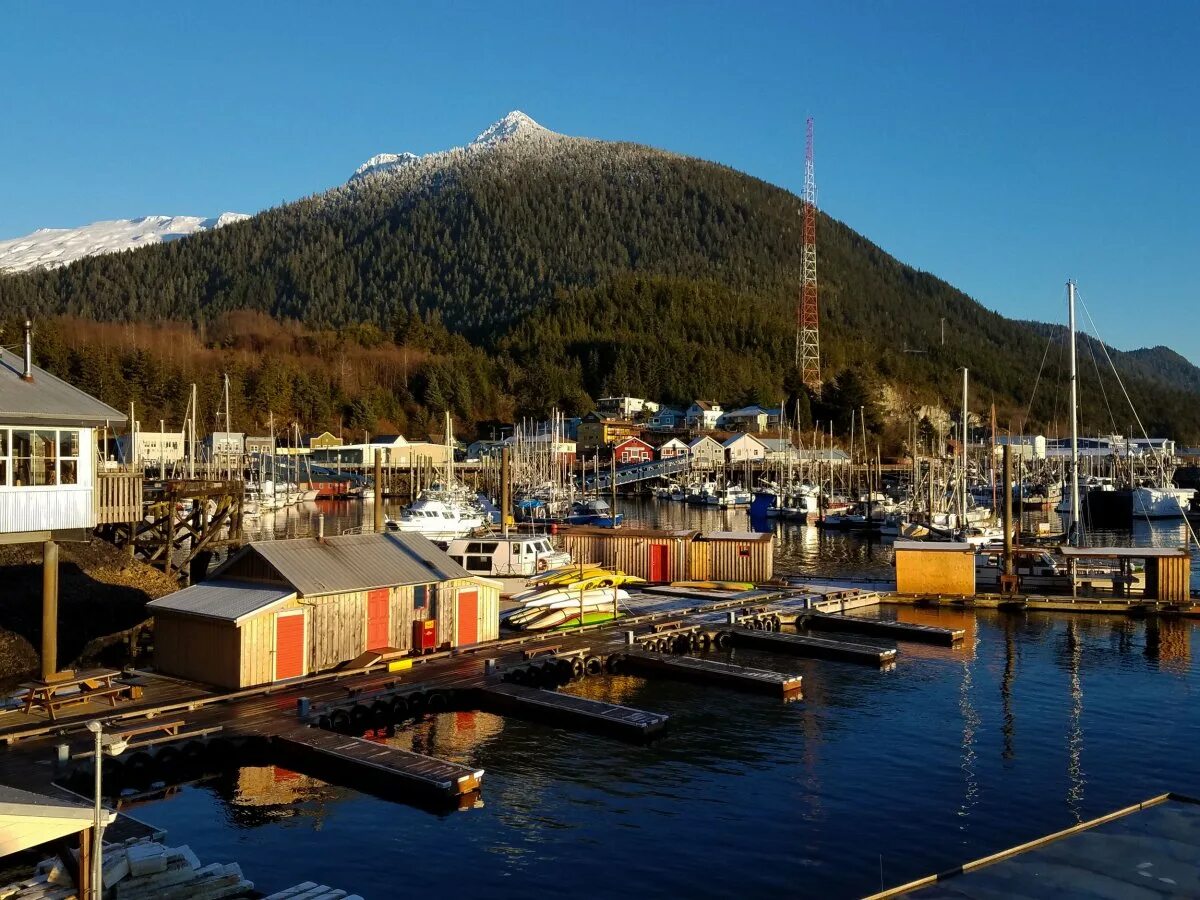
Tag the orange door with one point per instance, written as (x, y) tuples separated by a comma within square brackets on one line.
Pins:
[(658, 562), (468, 618), (379, 620), (289, 645)]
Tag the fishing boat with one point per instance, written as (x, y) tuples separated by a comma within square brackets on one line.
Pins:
[(729, 496), (511, 559), (1161, 502)]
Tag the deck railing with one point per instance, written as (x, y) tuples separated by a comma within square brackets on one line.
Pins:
[(118, 497)]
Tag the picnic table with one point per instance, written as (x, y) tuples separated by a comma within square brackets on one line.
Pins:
[(78, 687)]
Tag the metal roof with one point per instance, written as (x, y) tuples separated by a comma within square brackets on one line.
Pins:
[(17, 802), (624, 532), (358, 562), (735, 536), (47, 400), (934, 546), (1125, 552), (227, 601)]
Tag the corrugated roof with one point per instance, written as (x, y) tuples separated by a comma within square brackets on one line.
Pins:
[(624, 532), (358, 562), (15, 801), (228, 601), (1123, 552), (47, 400), (734, 536), (934, 546)]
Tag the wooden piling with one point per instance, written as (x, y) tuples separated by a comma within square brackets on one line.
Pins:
[(378, 493), (49, 609)]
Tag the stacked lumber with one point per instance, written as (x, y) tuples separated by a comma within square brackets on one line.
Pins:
[(140, 870)]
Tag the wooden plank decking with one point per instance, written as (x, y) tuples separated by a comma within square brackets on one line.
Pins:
[(565, 709), (713, 671), (812, 647)]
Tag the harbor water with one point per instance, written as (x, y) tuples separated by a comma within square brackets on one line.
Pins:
[(874, 778)]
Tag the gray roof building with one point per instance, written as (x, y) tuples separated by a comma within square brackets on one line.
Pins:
[(44, 399), (225, 601)]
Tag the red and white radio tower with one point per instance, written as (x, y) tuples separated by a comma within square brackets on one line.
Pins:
[(808, 338)]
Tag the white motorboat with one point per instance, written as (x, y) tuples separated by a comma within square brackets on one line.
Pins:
[(437, 519), (511, 559)]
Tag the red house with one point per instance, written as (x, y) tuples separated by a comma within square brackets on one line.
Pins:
[(633, 450)]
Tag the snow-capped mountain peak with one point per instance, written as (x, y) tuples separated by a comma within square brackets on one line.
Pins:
[(52, 247), (384, 162), (515, 126)]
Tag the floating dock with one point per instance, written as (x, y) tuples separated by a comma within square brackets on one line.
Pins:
[(901, 631), (1147, 850), (381, 768), (712, 671), (812, 647), (570, 712)]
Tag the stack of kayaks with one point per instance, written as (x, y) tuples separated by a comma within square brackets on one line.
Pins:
[(573, 595)]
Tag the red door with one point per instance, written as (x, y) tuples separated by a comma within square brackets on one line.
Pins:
[(379, 620), (658, 562), (289, 646), (468, 618)]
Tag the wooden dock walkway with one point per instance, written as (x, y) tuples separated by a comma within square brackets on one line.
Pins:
[(382, 768), (812, 647), (901, 631), (579, 712), (713, 671)]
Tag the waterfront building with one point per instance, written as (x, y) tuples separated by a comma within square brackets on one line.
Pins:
[(285, 608), (632, 450), (742, 448), (262, 444), (668, 418), (323, 440), (1027, 447), (672, 448), (150, 447), (706, 453), (779, 450)]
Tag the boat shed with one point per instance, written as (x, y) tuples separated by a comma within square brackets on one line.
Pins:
[(283, 609), (661, 556), (935, 567), (1167, 576)]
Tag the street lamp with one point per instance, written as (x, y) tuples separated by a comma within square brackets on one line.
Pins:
[(116, 746)]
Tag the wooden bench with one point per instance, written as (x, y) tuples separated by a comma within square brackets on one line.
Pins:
[(167, 738), (656, 627), (541, 651), (171, 728)]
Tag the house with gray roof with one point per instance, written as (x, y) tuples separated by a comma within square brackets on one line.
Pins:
[(283, 609)]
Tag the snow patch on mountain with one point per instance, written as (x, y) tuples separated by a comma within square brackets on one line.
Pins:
[(50, 247), (516, 128)]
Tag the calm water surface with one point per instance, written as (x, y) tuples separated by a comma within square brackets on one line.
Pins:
[(1040, 721)]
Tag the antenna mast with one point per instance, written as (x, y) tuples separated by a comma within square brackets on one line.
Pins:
[(808, 342)]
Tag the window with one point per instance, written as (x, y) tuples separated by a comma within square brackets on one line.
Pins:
[(3, 457), (425, 597), (68, 457), (479, 564), (33, 454), (419, 596)]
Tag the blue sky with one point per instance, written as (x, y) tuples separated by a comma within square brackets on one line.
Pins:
[(1003, 147)]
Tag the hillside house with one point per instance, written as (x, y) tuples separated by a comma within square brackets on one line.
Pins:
[(285, 608), (322, 441), (779, 450), (752, 419), (625, 407), (668, 418), (632, 450), (597, 431), (743, 448), (703, 415), (706, 453)]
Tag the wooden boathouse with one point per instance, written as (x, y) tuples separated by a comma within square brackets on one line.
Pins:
[(283, 609), (681, 555), (935, 567), (1166, 577)]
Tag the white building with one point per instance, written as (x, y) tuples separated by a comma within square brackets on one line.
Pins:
[(743, 448), (1023, 446), (47, 453), (703, 415), (151, 447), (625, 407)]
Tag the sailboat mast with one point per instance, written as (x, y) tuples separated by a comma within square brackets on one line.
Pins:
[(1073, 530), (962, 485)]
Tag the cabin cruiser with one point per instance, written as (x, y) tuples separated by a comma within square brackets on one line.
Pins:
[(511, 559), (730, 495), (1037, 569), (593, 512), (437, 518)]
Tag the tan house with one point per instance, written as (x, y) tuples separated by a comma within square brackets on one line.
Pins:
[(706, 453), (597, 431)]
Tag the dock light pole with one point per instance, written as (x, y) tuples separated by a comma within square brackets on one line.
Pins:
[(116, 746)]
